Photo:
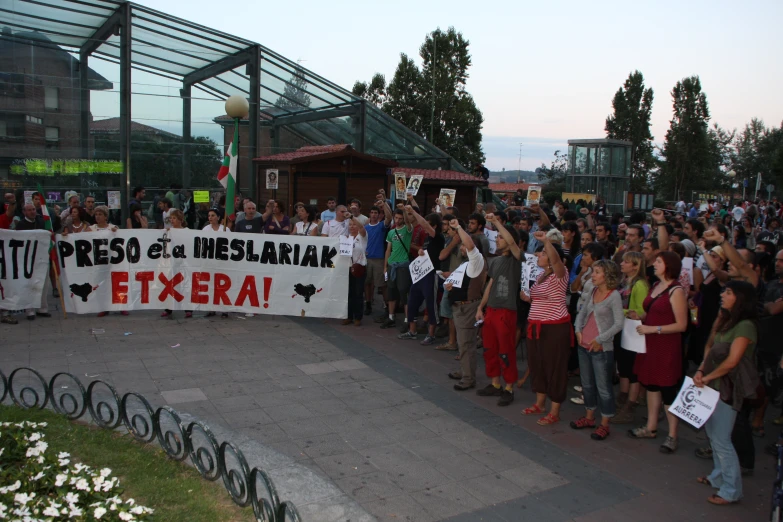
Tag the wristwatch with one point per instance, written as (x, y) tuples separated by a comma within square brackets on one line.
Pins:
[(659, 330)]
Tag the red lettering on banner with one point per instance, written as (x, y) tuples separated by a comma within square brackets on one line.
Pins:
[(199, 291), (145, 278), (168, 287), (119, 287), (248, 290), (222, 284)]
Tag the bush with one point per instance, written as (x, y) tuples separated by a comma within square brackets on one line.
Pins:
[(42, 487)]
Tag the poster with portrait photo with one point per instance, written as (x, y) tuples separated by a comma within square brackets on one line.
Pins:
[(414, 184), (533, 194), (272, 178), (447, 197), (400, 185)]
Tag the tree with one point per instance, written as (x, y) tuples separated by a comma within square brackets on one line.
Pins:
[(771, 151), (689, 155), (554, 177), (630, 121), (295, 94), (433, 101)]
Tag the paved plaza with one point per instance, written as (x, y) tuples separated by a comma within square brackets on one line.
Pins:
[(354, 424)]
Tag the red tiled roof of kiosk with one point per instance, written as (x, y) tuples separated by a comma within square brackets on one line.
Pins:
[(439, 175), (304, 152)]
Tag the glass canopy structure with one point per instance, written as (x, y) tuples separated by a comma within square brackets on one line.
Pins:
[(600, 167), (73, 66)]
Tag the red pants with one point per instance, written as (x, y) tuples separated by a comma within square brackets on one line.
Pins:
[(499, 336)]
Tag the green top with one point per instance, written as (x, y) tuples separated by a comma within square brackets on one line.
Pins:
[(744, 329), (638, 295), (398, 252)]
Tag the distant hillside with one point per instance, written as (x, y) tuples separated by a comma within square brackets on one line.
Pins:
[(511, 176)]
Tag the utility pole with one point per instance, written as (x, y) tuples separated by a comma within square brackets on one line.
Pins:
[(432, 65), (519, 168)]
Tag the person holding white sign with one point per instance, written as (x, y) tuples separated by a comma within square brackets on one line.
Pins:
[(358, 235), (597, 323), (664, 320), (425, 288), (729, 368)]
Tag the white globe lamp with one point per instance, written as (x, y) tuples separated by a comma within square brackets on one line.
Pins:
[(237, 106)]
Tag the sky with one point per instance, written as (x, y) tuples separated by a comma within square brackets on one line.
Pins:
[(543, 72)]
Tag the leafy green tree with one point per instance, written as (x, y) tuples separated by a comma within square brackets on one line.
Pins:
[(689, 155), (630, 121), (771, 150), (554, 176), (295, 96), (433, 101)]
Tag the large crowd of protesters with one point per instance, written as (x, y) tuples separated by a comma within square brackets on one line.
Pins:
[(718, 322)]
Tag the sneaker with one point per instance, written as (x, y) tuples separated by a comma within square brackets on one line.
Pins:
[(506, 397), (578, 400), (642, 433), (7, 319), (404, 327), (367, 308), (669, 445), (428, 341), (490, 391), (408, 336), (600, 433), (389, 323), (704, 453), (578, 389), (582, 423)]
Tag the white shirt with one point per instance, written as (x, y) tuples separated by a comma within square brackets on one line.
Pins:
[(475, 263), (304, 229), (167, 219), (359, 249), (361, 218), (221, 228), (334, 228)]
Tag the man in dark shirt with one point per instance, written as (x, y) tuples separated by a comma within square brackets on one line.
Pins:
[(251, 223), (772, 234), (31, 220)]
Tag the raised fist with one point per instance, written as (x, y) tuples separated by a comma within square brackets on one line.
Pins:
[(712, 235), (657, 215), (584, 211), (540, 235), (454, 223)]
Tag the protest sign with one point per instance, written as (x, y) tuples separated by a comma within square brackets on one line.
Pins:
[(414, 183), (447, 197), (687, 265), (420, 267), (52, 197), (271, 179), (183, 269), (533, 194), (530, 272), (457, 276), (346, 246), (399, 185), (114, 199), (631, 339), (24, 267), (200, 196), (28, 196), (492, 237), (694, 405)]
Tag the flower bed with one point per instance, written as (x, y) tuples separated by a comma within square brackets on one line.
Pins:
[(40, 486)]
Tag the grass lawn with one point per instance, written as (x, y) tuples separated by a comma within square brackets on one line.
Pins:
[(174, 490)]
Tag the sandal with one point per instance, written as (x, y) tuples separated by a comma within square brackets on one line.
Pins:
[(547, 420), (446, 347), (582, 423), (720, 501), (704, 480), (533, 410), (600, 433), (642, 433)]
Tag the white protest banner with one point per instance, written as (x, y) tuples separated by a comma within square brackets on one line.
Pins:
[(530, 272), (420, 267), (492, 237), (632, 340), (414, 183), (24, 267), (687, 265), (272, 179), (447, 197), (183, 269), (346, 246), (457, 276), (399, 185), (694, 405)]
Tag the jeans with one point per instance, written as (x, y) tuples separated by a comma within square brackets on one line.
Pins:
[(596, 370), (423, 291), (726, 474), (356, 297)]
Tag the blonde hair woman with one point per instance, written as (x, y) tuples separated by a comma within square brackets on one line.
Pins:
[(101, 216), (633, 290)]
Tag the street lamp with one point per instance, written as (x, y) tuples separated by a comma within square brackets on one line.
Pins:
[(731, 174), (236, 107)]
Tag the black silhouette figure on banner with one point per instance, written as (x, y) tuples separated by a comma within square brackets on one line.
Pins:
[(306, 291), (82, 290)]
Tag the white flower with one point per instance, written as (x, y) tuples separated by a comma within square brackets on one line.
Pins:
[(23, 498), (40, 460), (105, 472), (60, 480), (137, 510), (34, 437), (72, 498), (130, 501), (75, 511), (63, 455), (3, 510), (13, 487), (39, 475), (82, 485), (125, 516), (51, 512), (99, 512)]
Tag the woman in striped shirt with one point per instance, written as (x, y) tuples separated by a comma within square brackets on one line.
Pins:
[(549, 331)]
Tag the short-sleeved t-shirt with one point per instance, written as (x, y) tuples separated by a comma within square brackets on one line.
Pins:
[(250, 226), (376, 240), (276, 227), (328, 215), (504, 272), (744, 329), (398, 250)]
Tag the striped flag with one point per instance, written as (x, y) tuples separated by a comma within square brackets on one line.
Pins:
[(48, 226), (227, 175)]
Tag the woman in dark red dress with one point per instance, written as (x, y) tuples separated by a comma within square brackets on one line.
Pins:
[(659, 370)]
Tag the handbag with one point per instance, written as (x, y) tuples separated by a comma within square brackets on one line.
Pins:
[(410, 256), (358, 270)]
